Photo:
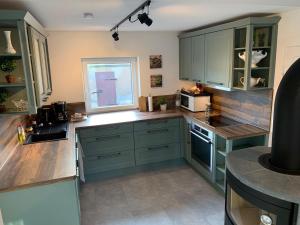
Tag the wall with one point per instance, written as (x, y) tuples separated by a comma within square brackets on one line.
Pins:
[(288, 44), (67, 48), (252, 107)]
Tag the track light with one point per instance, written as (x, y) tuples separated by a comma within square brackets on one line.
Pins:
[(144, 18), (115, 35)]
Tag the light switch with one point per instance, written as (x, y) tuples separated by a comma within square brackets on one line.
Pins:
[(1, 220)]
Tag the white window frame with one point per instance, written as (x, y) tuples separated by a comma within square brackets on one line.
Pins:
[(135, 82)]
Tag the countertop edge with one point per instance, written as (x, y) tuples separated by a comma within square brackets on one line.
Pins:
[(259, 187)]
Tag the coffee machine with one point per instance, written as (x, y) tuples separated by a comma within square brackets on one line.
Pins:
[(60, 111)]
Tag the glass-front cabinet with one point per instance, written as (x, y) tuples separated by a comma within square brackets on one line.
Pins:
[(25, 81), (254, 56)]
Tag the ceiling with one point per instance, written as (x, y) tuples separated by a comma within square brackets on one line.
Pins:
[(167, 15)]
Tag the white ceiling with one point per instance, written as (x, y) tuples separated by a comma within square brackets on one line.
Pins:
[(170, 15)]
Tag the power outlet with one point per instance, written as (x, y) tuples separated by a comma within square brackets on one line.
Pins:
[(1, 219)]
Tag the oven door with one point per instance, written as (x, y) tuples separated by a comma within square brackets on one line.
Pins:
[(201, 150)]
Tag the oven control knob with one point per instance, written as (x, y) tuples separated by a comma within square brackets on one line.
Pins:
[(266, 220)]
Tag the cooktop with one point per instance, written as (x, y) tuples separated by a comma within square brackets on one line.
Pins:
[(221, 121)]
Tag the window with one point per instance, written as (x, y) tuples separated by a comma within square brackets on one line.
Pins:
[(110, 84)]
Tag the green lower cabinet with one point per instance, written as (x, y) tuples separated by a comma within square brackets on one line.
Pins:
[(223, 147), (109, 161), (119, 146), (156, 136), (157, 153), (52, 204)]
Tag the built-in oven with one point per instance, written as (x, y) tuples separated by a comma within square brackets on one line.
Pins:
[(202, 147)]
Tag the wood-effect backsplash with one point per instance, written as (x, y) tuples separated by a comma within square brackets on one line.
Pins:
[(8, 134), (252, 107)]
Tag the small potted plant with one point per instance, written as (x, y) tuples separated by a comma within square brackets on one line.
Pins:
[(162, 102), (8, 65), (3, 97)]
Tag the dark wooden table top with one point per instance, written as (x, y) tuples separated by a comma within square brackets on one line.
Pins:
[(49, 162)]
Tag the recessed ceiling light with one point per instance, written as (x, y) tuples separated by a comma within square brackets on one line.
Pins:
[(88, 15)]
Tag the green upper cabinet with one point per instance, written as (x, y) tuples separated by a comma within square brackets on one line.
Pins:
[(185, 54), (239, 55), (218, 58), (198, 58), (254, 56), (25, 81), (191, 62)]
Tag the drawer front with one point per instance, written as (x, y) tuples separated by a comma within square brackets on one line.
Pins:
[(156, 124), (114, 142), (105, 130), (156, 136), (157, 153), (109, 161)]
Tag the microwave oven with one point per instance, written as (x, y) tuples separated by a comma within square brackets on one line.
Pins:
[(195, 103)]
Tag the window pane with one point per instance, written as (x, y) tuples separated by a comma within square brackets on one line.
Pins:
[(110, 84)]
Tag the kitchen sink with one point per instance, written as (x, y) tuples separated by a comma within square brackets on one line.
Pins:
[(50, 133)]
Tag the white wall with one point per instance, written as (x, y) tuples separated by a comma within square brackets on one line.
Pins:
[(288, 44), (67, 48)]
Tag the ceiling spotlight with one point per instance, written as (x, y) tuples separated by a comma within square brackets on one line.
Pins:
[(144, 18), (115, 36), (88, 15)]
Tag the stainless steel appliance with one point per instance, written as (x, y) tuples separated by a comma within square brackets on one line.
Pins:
[(194, 103), (202, 147)]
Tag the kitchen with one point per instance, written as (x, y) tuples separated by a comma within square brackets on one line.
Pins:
[(123, 164)]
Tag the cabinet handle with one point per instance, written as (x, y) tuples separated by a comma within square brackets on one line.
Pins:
[(157, 122), (217, 83), (114, 155), (108, 138), (157, 148), (196, 80), (157, 131), (184, 78)]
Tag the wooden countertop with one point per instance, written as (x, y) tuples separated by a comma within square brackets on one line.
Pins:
[(49, 162)]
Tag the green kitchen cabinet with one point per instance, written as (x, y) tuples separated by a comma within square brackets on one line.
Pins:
[(185, 58), (49, 204), (191, 62), (222, 147), (218, 58), (30, 85), (230, 49), (109, 148), (198, 58), (187, 141)]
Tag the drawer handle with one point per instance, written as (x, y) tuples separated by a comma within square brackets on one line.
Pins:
[(157, 122), (108, 138), (114, 155), (157, 131), (110, 127), (216, 83), (158, 148)]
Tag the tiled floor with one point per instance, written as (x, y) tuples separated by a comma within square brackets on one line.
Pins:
[(174, 196)]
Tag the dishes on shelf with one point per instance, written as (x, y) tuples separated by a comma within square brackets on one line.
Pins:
[(9, 49), (253, 81), (21, 105), (257, 56)]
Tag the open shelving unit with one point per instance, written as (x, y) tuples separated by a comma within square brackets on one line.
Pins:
[(252, 39), (223, 147)]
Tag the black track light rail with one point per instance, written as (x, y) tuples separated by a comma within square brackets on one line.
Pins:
[(141, 7)]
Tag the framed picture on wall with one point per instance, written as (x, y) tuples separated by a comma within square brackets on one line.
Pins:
[(156, 81), (155, 61)]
